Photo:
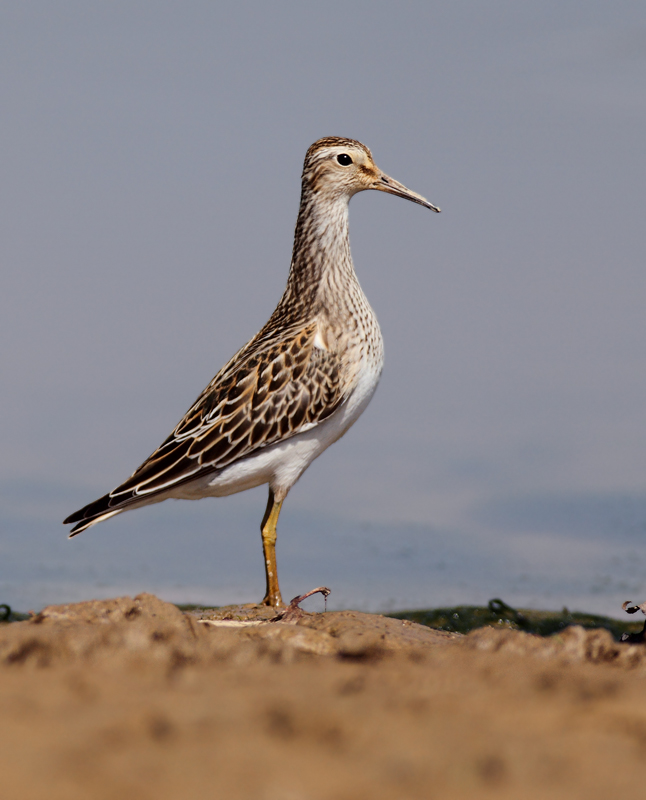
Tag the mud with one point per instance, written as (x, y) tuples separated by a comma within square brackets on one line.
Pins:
[(132, 698)]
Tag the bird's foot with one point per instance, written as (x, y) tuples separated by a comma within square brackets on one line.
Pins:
[(273, 599), (293, 612)]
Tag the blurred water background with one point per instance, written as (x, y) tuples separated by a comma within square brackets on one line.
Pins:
[(584, 553), (150, 180)]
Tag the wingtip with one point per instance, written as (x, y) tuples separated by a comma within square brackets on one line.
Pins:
[(77, 528), (88, 515)]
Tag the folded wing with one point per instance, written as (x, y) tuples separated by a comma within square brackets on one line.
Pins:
[(269, 391)]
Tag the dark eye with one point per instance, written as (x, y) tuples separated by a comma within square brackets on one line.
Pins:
[(344, 159)]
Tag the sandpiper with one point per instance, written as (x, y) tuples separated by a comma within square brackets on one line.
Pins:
[(297, 386)]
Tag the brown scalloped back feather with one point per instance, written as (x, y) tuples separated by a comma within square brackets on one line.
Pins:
[(267, 393)]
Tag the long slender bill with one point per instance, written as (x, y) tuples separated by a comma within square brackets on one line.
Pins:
[(387, 184)]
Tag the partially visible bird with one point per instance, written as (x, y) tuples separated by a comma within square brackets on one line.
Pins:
[(297, 386)]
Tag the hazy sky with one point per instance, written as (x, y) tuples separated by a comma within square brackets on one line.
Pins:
[(150, 161)]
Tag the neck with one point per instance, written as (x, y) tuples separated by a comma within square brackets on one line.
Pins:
[(321, 267)]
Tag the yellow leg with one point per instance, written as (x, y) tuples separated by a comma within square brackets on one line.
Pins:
[(268, 530)]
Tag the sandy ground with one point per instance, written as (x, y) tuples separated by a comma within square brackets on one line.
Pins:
[(131, 698)]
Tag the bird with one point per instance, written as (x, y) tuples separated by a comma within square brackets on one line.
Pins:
[(297, 386)]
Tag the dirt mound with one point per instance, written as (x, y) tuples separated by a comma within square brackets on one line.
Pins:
[(132, 698)]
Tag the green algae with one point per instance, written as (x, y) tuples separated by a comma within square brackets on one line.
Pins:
[(7, 614), (462, 619)]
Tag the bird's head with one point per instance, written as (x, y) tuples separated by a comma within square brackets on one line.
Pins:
[(337, 167)]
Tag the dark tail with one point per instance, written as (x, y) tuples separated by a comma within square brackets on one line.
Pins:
[(92, 513)]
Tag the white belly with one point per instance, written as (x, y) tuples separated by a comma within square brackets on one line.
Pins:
[(281, 464)]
